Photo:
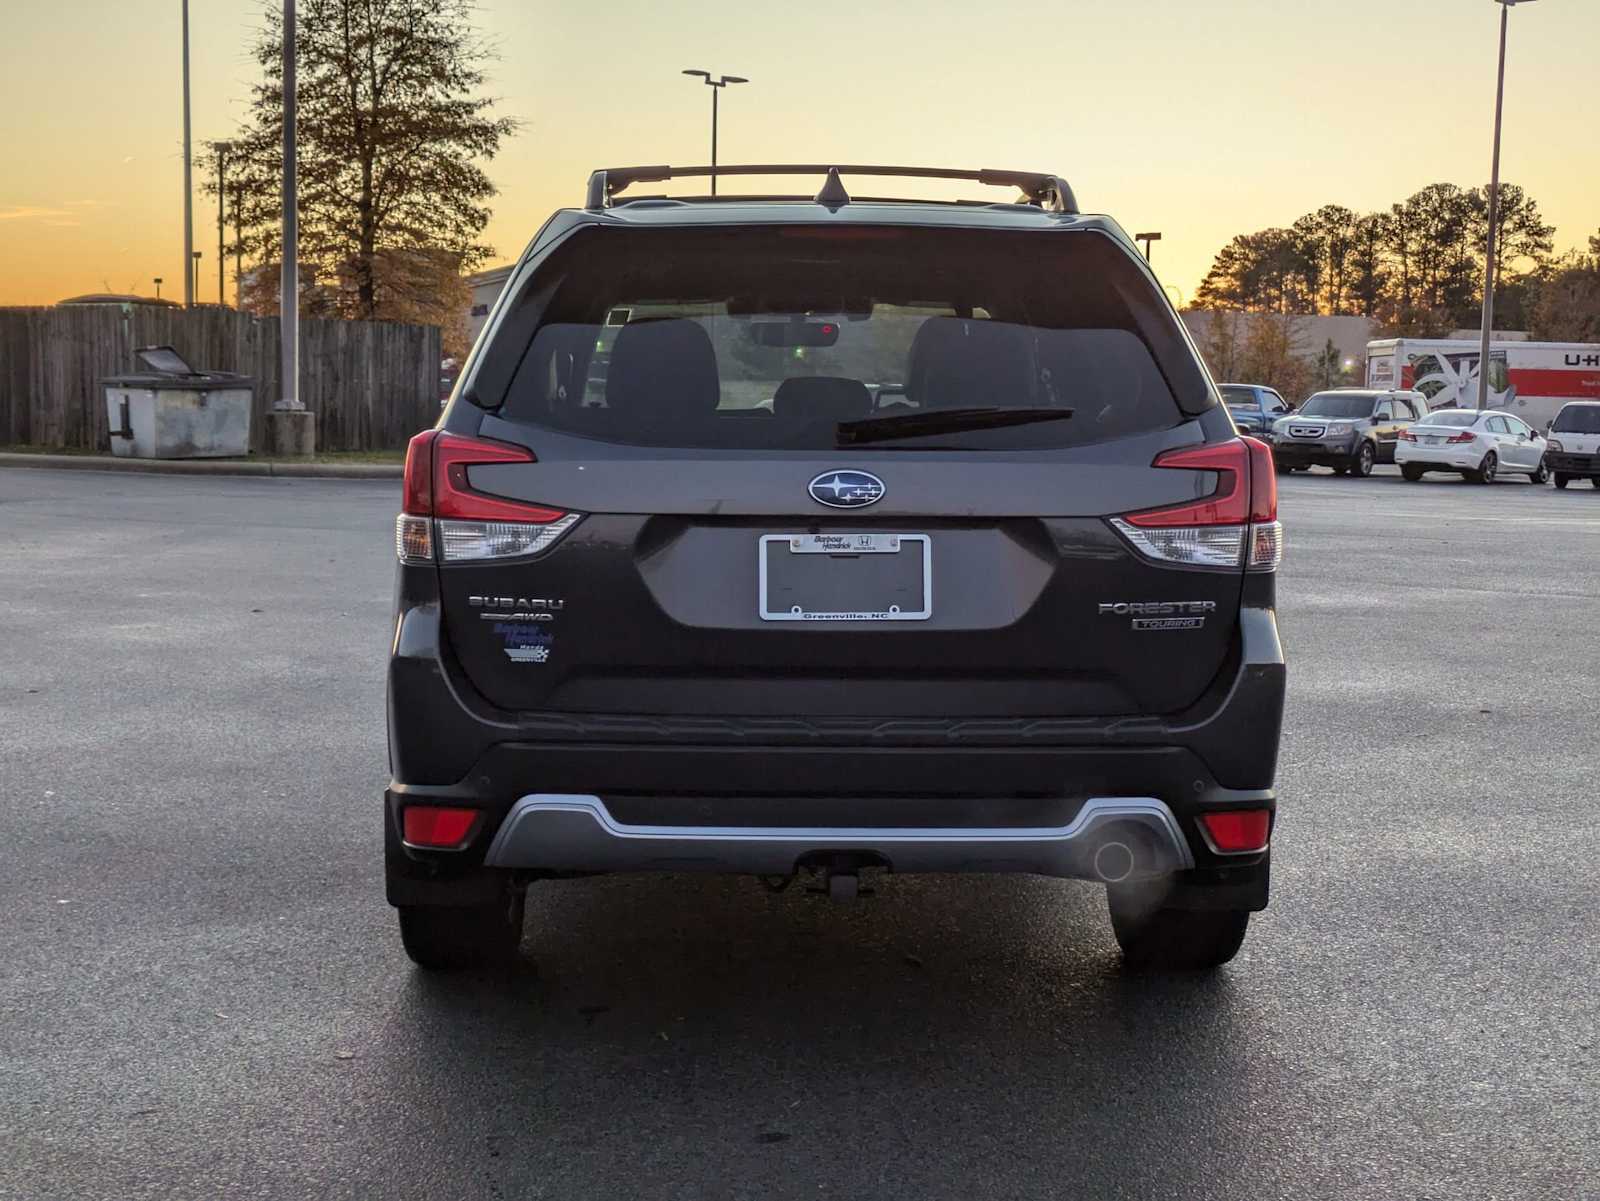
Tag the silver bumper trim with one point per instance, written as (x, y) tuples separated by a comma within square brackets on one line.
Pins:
[(573, 832)]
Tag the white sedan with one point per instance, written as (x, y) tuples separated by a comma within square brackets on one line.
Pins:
[(1480, 444)]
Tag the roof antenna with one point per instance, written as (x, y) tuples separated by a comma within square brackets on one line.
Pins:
[(833, 194)]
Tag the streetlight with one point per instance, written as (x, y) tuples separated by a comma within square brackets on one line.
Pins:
[(716, 86), (194, 283), (238, 247), (1494, 212), (1147, 239), (158, 287), (289, 282), (188, 185), (222, 149)]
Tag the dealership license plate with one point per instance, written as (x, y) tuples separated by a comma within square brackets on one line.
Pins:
[(846, 577), (1428, 440)]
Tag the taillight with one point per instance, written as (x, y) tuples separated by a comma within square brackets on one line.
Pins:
[(413, 529), (1407, 436), (1236, 525), (1463, 436), (1237, 831), (471, 525)]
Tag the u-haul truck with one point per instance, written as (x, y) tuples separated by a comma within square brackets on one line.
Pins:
[(1532, 379)]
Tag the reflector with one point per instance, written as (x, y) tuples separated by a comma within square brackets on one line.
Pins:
[(437, 825), (1238, 831)]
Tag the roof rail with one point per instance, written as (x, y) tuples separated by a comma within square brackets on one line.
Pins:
[(1049, 192)]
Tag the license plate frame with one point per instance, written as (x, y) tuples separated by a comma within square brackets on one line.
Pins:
[(844, 546)]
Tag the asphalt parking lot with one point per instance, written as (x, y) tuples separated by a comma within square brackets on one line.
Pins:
[(202, 994)]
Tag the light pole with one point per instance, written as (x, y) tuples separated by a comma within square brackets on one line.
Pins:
[(716, 86), (1494, 212), (158, 287), (194, 282), (238, 247), (188, 185), (289, 296), (291, 428), (222, 149), (1147, 239)]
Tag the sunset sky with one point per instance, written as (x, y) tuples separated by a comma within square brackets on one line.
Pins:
[(1201, 120)]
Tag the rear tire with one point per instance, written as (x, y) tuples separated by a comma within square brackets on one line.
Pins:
[(1486, 470), (1173, 940), (1411, 471), (1562, 480), (1366, 456), (447, 938)]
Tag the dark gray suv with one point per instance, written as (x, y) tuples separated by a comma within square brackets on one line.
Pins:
[(815, 534)]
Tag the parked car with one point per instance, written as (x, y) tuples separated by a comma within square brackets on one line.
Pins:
[(1253, 407), (1347, 429), (1478, 444), (661, 624), (1574, 447)]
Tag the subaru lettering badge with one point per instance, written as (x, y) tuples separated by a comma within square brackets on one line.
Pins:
[(846, 489)]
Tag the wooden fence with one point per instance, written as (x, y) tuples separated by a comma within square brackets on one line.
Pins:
[(371, 384)]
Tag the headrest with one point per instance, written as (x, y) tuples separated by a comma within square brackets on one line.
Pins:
[(821, 397), (663, 370), (959, 362)]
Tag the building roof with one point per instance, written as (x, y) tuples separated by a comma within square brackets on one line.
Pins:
[(119, 298)]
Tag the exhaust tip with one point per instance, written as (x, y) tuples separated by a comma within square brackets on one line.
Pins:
[(1113, 861)]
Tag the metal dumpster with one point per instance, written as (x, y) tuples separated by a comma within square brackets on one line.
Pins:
[(171, 411)]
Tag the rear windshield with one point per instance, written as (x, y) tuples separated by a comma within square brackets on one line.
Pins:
[(772, 337), (1332, 404), (1454, 417), (1578, 419), (1239, 398)]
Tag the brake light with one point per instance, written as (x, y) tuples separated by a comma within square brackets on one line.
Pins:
[(471, 524), (453, 495), (437, 826), (417, 490), (1407, 436), (1238, 831), (1463, 436), (1238, 523)]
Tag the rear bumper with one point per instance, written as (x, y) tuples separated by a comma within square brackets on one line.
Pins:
[(974, 795), (1441, 458), (1110, 838)]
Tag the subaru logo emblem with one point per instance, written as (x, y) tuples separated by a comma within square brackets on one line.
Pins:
[(846, 489)]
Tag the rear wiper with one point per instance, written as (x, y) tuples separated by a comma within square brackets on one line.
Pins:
[(941, 421)]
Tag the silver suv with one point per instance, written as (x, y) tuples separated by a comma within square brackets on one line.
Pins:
[(1347, 429)]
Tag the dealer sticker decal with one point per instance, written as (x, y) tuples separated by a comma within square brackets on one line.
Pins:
[(523, 643)]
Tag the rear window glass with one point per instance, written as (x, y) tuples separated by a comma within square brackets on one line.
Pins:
[(1578, 419), (1332, 404), (1239, 398), (772, 337), (1453, 417)]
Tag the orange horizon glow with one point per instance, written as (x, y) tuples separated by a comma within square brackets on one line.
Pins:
[(1201, 122)]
